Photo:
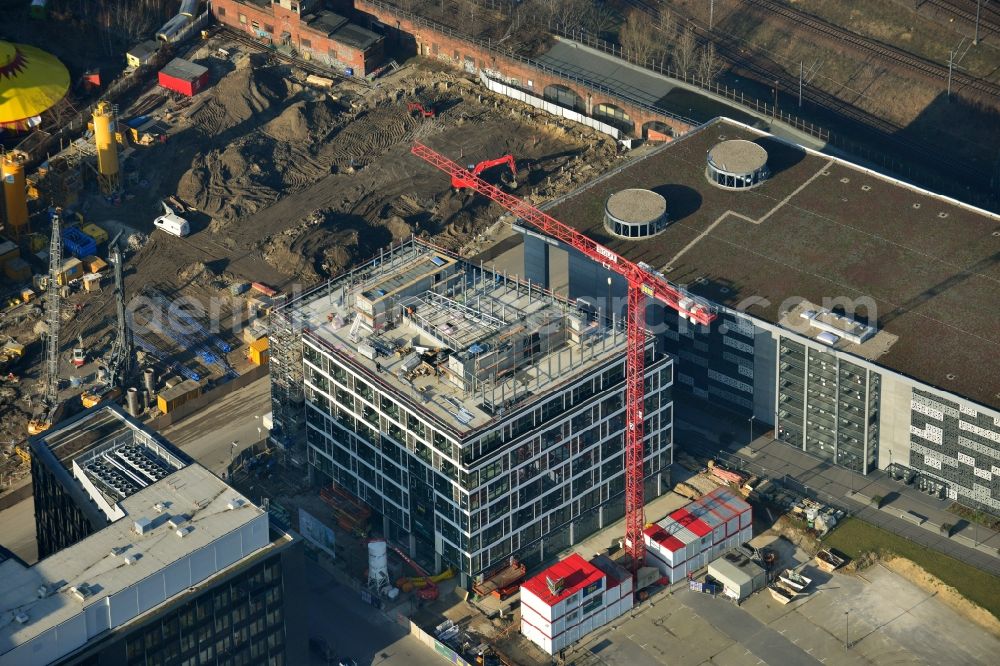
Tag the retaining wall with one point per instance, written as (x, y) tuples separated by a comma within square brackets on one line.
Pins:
[(415, 35)]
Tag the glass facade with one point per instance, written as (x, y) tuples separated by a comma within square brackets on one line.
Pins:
[(59, 521), (736, 181), (535, 479), (715, 364), (827, 406), (239, 622)]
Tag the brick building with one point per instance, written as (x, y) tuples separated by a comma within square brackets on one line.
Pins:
[(307, 28)]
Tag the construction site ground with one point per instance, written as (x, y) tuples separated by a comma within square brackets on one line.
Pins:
[(286, 182)]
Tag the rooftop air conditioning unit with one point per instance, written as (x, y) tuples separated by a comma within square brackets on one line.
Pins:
[(21, 618), (234, 503), (142, 526)]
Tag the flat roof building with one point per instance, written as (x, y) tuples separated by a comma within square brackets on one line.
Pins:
[(83, 467), (740, 577), (480, 416), (572, 598), (858, 313), (172, 539)]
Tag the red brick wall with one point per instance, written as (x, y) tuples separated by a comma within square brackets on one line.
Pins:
[(465, 55), (316, 46)]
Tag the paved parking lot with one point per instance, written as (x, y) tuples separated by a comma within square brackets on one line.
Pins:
[(889, 619)]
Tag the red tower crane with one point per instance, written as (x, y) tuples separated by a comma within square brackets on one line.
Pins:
[(642, 282)]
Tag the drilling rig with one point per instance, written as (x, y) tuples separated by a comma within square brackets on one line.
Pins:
[(123, 348), (120, 359), (46, 413), (642, 283)]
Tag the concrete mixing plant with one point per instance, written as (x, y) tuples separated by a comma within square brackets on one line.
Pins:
[(108, 175)]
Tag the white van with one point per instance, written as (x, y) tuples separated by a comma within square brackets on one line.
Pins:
[(172, 223)]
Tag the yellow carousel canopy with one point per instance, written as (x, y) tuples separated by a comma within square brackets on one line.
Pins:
[(31, 81)]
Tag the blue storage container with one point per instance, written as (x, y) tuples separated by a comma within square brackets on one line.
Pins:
[(79, 244)]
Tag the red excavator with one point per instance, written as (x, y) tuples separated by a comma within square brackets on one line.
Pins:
[(460, 182), (419, 109)]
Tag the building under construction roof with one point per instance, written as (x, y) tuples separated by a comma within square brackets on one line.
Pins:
[(434, 388)]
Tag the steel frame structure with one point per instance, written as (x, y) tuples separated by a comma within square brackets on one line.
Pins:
[(642, 283)]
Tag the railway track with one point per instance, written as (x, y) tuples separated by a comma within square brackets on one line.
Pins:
[(877, 49), (761, 68), (989, 13)]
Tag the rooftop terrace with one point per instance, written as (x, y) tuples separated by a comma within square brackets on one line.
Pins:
[(830, 232), (459, 342)]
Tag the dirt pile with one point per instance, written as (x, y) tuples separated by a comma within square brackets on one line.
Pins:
[(253, 171), (249, 90)]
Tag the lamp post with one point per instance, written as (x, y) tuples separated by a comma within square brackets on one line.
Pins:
[(847, 629), (750, 421), (232, 451)]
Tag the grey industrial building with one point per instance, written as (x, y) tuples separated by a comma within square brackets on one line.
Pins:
[(479, 415), (162, 563), (858, 315)]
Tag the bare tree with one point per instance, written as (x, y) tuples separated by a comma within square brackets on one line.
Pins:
[(570, 13), (685, 51), (638, 37), (666, 28), (600, 18), (708, 63)]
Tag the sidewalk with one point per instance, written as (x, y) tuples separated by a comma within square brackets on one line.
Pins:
[(906, 511)]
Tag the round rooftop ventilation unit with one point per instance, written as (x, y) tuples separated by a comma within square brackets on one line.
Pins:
[(635, 213), (737, 164)]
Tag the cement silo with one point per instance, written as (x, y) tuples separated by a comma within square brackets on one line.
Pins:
[(15, 194), (108, 174)]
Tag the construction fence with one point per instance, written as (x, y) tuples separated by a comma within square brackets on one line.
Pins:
[(545, 105), (440, 648)]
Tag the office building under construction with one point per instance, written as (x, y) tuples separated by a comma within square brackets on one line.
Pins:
[(479, 415)]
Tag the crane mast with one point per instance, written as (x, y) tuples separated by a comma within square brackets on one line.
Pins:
[(642, 283), (52, 318)]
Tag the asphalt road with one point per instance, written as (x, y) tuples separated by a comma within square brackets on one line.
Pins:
[(356, 630), (17, 530), (207, 435)]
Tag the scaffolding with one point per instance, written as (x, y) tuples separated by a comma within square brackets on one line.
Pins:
[(287, 390)]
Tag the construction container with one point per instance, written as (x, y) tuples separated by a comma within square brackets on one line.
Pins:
[(78, 243), (92, 282), (260, 351), (27, 294), (184, 77), (99, 235), (17, 270), (739, 576), (94, 264), (172, 398), (142, 53), (71, 269)]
